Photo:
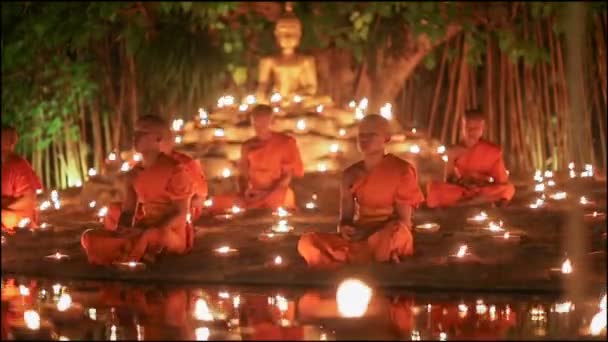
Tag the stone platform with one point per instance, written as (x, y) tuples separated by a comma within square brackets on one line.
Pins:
[(520, 267)]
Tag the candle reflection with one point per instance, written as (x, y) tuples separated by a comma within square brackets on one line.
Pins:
[(353, 297)]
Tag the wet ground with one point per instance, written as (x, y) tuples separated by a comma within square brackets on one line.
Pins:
[(118, 311)]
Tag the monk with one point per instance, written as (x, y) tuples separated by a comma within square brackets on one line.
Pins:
[(193, 167), (19, 185), (378, 194), (162, 188), (475, 172), (268, 163)]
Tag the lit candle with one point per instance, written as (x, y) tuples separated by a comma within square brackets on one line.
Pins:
[(57, 256), (278, 260), (444, 158), (551, 183), (31, 319), (24, 291), (202, 114), (103, 211), (301, 125), (319, 109), (24, 222), (64, 303), (352, 104), (415, 149), (539, 187), (178, 139), (478, 218), (268, 236), (585, 201), (235, 209), (38, 191), (538, 176), (130, 265), (462, 251), (219, 133), (208, 203), (276, 110), (363, 103), (387, 111), (353, 298), (564, 307), (275, 97), (226, 173), (359, 113), (414, 131), (427, 227), (334, 148), (92, 204), (539, 203), (45, 205), (282, 227), (92, 172), (548, 174), (441, 149), (311, 205), (112, 156), (250, 99), (321, 167), (595, 216), (342, 132), (558, 196), (125, 167), (571, 166), (572, 174), (243, 107), (202, 311), (495, 228), (281, 212), (177, 125), (225, 250), (566, 267)]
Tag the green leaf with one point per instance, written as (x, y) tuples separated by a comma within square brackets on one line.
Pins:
[(430, 61), (186, 5)]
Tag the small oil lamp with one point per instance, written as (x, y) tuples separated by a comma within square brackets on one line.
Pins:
[(92, 172), (429, 227), (297, 98), (441, 149), (276, 98), (301, 125), (282, 227), (226, 251), (558, 196), (539, 203), (226, 173), (125, 167), (415, 149), (563, 271), (342, 132), (478, 218), (130, 266), (319, 109), (596, 216), (312, 204), (495, 227), (57, 256), (219, 133), (461, 255), (585, 202)]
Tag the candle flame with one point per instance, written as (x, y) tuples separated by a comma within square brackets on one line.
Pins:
[(223, 249), (571, 166), (201, 311), (387, 111), (282, 212), (92, 172), (278, 260), (202, 333), (24, 222), (250, 99), (32, 319), (353, 297), (202, 114), (507, 235), (219, 133), (178, 139), (235, 209), (359, 113), (415, 149), (321, 167), (310, 205), (92, 204), (275, 97), (441, 149), (342, 132), (584, 200), (125, 167), (352, 104), (208, 202), (64, 303), (334, 148), (45, 205), (243, 107), (103, 211), (462, 251), (226, 173), (24, 290), (112, 156), (567, 267), (444, 158), (319, 109), (301, 124), (558, 196), (494, 227)]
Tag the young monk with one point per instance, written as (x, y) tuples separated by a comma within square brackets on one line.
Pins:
[(191, 165), (19, 185), (268, 163), (377, 198), (475, 172), (162, 188)]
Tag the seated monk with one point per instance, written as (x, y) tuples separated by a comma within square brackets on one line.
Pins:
[(475, 172), (162, 188), (377, 197), (268, 162), (191, 165), (19, 185)]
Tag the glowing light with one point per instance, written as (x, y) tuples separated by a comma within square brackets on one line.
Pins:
[(342, 132), (321, 167), (363, 103), (178, 139), (566, 267), (444, 158), (235, 209), (189, 218), (507, 235), (57, 256), (112, 156), (202, 333), (301, 125), (92, 172), (603, 303), (334, 148), (319, 109), (571, 166), (38, 191), (359, 113), (539, 203), (584, 200), (57, 205), (538, 176), (243, 107), (565, 307), (54, 195), (57, 289), (539, 187), (551, 183), (494, 227), (480, 307), (24, 290), (103, 211), (281, 303), (441, 149), (24, 222), (202, 114), (219, 133), (201, 311), (278, 260), (63, 338), (113, 336), (276, 109), (137, 157), (558, 196), (276, 97), (462, 251), (282, 227), (311, 205), (177, 125), (225, 250), (226, 173), (282, 212), (352, 104), (481, 217), (415, 149), (387, 111), (224, 295), (92, 204), (548, 174), (462, 310), (32, 319), (208, 203), (225, 101), (125, 167), (414, 130), (64, 303), (250, 99), (598, 323), (443, 336), (353, 297), (236, 301), (132, 264), (93, 314), (572, 174)]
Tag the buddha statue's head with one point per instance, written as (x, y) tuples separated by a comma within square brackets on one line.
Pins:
[(288, 31)]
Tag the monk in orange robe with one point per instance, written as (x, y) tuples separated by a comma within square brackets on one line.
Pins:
[(19, 185), (268, 163), (377, 198), (475, 172), (162, 188), (191, 165)]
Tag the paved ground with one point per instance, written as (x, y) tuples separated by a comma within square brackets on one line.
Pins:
[(502, 266)]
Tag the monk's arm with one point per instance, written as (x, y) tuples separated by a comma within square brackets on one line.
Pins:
[(176, 215), (404, 214), (243, 171), (27, 200), (292, 167), (347, 201), (129, 206), (499, 171)]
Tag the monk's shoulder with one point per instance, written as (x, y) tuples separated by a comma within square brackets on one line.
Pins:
[(282, 138), (399, 164), (353, 171), (490, 147), (181, 157)]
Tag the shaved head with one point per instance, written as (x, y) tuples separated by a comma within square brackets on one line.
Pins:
[(9, 138), (261, 120), (376, 123), (261, 110), (151, 132), (474, 114), (153, 123), (473, 126)]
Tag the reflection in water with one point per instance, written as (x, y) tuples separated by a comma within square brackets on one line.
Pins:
[(111, 311)]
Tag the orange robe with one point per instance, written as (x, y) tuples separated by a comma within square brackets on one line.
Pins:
[(199, 183), (266, 162), (156, 188), (483, 159), (18, 179), (392, 181)]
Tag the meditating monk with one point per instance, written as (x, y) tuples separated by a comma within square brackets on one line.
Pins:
[(377, 198), (19, 185), (193, 167), (475, 172), (162, 188), (268, 163)]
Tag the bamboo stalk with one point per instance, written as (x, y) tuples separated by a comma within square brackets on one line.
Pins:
[(449, 104), (98, 153), (460, 91), (437, 92), (557, 101), (489, 89), (543, 85)]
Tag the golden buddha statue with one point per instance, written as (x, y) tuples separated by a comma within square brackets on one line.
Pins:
[(289, 73)]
